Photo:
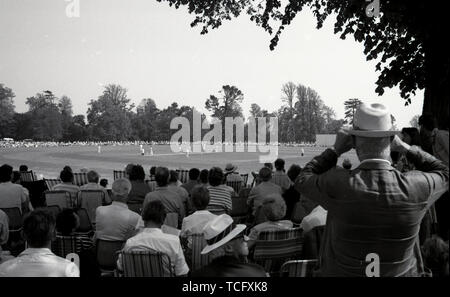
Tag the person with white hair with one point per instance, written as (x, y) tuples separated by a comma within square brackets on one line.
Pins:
[(373, 208), (116, 221)]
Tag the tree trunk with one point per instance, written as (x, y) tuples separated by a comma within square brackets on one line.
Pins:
[(437, 74)]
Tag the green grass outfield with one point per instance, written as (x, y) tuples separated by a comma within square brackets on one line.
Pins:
[(49, 161)]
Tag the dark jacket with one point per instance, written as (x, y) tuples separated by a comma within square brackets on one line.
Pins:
[(138, 191), (228, 266), (373, 209)]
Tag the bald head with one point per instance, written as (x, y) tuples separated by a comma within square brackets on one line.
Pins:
[(120, 189)]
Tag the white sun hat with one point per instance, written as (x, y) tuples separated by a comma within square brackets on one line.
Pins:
[(372, 120), (219, 231)]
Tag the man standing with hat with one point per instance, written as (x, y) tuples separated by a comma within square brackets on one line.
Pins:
[(222, 233), (373, 209)]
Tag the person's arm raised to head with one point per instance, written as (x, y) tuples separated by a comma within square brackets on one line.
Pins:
[(312, 179), (434, 170)]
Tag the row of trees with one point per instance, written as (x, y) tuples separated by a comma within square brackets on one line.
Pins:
[(113, 117)]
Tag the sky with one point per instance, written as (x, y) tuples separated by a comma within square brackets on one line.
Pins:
[(150, 49)]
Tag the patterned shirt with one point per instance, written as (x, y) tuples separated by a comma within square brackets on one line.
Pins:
[(221, 196)]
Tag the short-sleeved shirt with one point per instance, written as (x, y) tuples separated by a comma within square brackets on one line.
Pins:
[(12, 195), (38, 262), (115, 222), (155, 239)]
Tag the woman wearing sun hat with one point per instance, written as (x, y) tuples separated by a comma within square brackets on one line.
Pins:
[(231, 175), (222, 233)]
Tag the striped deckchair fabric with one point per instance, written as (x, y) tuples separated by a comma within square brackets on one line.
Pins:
[(119, 174), (236, 185), (64, 245), (62, 199), (245, 178), (90, 200), (299, 268), (183, 175), (27, 176), (80, 178), (197, 260), (148, 263), (50, 183), (273, 248)]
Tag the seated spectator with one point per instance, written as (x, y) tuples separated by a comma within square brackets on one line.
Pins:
[(152, 172), (12, 195), (222, 233), (104, 183), (67, 185), (195, 223), (231, 173), (174, 186), (193, 181), (274, 209), (203, 177), (139, 188), (93, 178), (16, 177), (128, 169), (435, 256), (269, 165), (152, 238), (68, 168), (170, 199), (347, 164), (279, 177), (219, 194), (264, 189), (38, 260), (67, 222), (291, 196), (4, 234), (116, 221), (23, 168)]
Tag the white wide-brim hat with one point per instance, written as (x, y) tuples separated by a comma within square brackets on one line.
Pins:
[(372, 120), (219, 231)]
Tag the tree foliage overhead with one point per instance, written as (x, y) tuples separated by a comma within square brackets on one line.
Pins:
[(406, 38)]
